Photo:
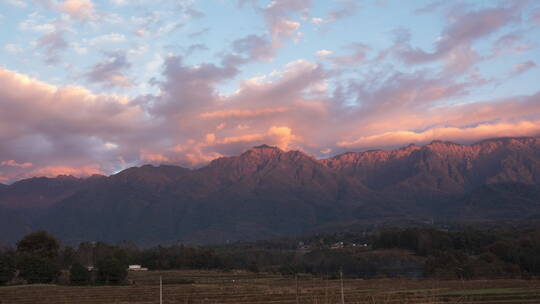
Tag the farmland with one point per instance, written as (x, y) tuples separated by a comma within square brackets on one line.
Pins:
[(245, 287)]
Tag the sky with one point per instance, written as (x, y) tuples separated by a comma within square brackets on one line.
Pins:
[(97, 86)]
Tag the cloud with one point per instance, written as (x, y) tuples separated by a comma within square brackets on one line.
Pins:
[(254, 47), (431, 7), (19, 3), (280, 136), (193, 154), (170, 17), (323, 53), (54, 171), (358, 56), (242, 113), (199, 33), (466, 134), (455, 42), (153, 157), (347, 9), (196, 124), (64, 127), (401, 91), (346, 100), (198, 47), (110, 72), (78, 9), (53, 44), (106, 39), (12, 163), (188, 88), (509, 43), (13, 48), (35, 22), (535, 16), (119, 2), (276, 15), (523, 67)]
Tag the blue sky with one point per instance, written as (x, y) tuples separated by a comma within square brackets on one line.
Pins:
[(99, 85)]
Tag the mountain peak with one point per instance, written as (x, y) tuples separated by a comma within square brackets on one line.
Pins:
[(438, 142), (264, 147), (263, 150)]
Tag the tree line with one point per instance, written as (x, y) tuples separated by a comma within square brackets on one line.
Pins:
[(409, 252)]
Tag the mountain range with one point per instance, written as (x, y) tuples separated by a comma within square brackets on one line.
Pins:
[(266, 192)]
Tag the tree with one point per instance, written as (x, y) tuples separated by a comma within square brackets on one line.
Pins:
[(7, 267), (79, 275), (67, 257), (40, 244), (35, 269), (111, 271)]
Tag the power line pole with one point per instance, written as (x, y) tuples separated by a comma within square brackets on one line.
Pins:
[(160, 290), (341, 279), (297, 295)]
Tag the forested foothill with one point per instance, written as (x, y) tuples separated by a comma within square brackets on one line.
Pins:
[(418, 252)]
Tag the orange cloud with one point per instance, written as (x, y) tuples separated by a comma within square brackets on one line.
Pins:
[(481, 131), (192, 153), (282, 136), (78, 9), (153, 157), (242, 113), (242, 138), (53, 171), (279, 136)]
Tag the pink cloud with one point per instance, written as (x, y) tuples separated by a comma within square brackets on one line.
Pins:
[(12, 163)]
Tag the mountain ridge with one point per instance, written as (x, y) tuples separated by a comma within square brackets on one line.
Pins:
[(267, 192)]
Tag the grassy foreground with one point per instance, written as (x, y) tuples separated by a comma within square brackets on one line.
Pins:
[(243, 287)]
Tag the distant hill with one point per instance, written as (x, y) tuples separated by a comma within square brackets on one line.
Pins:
[(266, 192)]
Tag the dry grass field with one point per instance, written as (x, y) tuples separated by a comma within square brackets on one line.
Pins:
[(241, 287)]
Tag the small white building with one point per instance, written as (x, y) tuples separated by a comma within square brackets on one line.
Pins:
[(137, 268), (338, 245)]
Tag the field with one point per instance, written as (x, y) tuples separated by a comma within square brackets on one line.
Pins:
[(242, 287)]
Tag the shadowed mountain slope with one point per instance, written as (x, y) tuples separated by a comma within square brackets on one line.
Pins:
[(266, 192)]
